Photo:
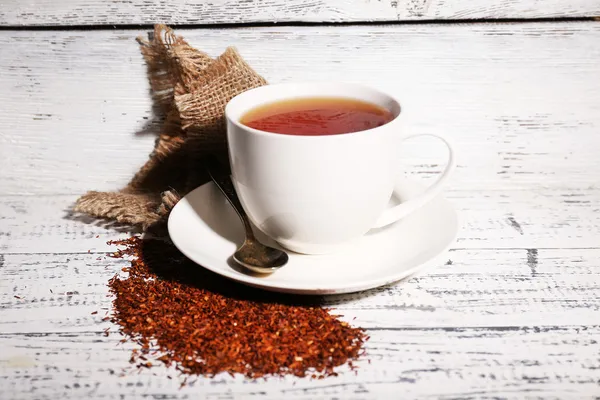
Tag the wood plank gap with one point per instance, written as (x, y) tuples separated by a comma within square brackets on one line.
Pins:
[(19, 253), (450, 190), (512, 328), (298, 24)]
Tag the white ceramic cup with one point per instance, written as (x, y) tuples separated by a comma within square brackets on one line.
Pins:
[(315, 194)]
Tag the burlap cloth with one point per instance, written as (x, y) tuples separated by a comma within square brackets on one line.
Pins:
[(191, 90)]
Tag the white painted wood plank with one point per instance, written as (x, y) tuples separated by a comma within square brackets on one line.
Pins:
[(481, 288), (42, 224), (98, 12), (550, 218), (548, 363), (521, 116), (515, 313)]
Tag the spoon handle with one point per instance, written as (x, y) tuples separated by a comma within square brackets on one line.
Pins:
[(223, 182)]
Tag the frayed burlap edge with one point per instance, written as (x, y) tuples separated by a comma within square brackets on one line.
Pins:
[(191, 89)]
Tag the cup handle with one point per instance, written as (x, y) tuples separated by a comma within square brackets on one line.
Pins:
[(402, 210)]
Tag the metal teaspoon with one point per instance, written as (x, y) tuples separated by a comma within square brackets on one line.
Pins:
[(251, 254)]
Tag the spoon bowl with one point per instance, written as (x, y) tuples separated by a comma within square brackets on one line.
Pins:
[(260, 258)]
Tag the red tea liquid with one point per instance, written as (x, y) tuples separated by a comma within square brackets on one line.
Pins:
[(315, 116)]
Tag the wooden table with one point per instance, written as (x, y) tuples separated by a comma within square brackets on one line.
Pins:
[(514, 313)]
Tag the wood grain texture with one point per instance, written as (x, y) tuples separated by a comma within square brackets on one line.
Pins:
[(466, 363), (513, 314), (481, 288), (115, 12), (491, 219), (76, 105), (487, 325)]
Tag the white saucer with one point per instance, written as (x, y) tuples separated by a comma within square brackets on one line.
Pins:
[(206, 229)]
